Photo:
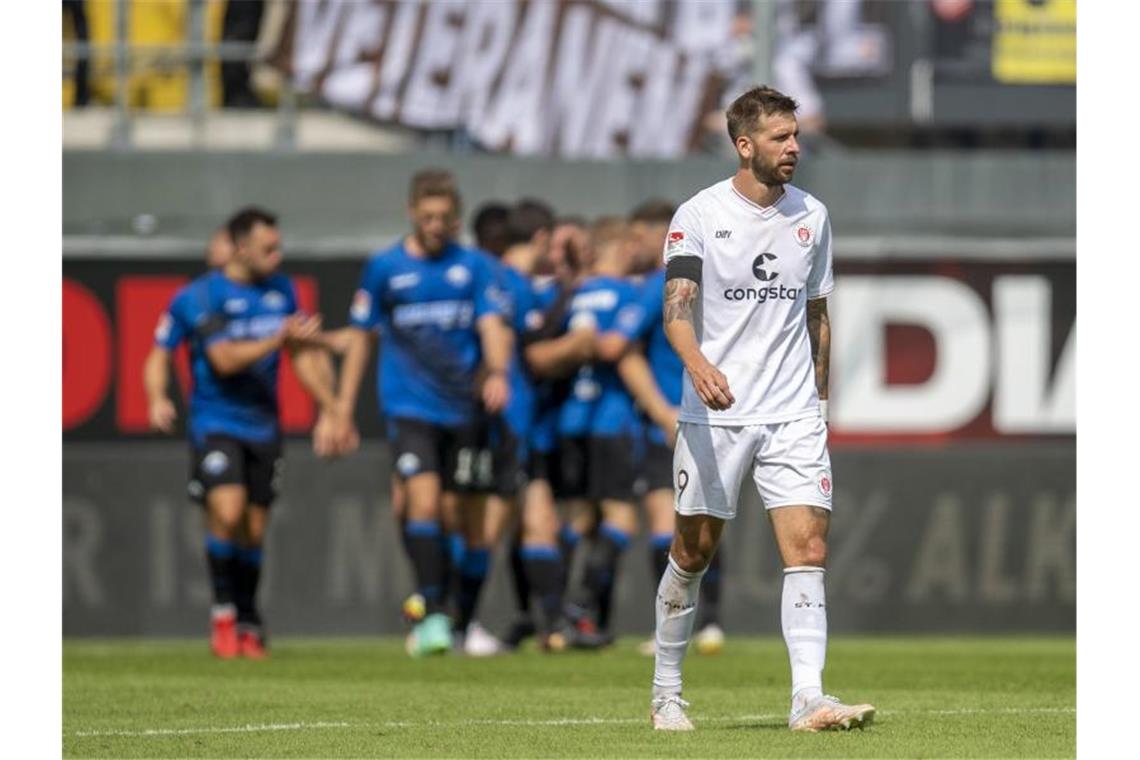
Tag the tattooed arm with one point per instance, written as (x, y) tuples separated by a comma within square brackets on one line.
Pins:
[(708, 381), (819, 333)]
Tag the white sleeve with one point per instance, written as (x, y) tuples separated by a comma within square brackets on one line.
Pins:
[(820, 280), (685, 237)]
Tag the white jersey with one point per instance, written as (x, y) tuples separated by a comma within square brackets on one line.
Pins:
[(759, 268)]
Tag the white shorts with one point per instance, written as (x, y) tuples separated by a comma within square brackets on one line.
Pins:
[(789, 463)]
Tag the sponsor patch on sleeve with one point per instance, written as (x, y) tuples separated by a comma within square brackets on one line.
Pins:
[(162, 329), (674, 243), (361, 305)]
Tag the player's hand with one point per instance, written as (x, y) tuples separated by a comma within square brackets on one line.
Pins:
[(496, 392), (324, 436), (301, 328), (712, 387), (162, 415)]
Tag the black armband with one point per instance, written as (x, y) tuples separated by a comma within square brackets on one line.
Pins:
[(684, 268)]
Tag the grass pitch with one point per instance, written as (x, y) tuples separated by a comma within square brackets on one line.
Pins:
[(945, 697)]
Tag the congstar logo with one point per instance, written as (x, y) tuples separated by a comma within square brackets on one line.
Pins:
[(762, 270), (758, 267)]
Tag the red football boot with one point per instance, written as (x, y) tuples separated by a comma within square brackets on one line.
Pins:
[(223, 632), (251, 645)]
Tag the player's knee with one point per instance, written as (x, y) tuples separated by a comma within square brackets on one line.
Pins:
[(692, 558), (812, 552)]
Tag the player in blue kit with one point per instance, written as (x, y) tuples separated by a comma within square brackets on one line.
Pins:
[(444, 359), (654, 377), (598, 424), (236, 320)]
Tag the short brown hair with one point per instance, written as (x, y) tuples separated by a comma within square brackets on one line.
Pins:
[(608, 229), (744, 113), (654, 210), (433, 183), (244, 220)]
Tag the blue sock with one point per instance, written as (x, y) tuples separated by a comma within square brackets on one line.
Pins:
[(429, 561), (247, 573), (659, 553), (472, 574), (220, 559), (543, 567)]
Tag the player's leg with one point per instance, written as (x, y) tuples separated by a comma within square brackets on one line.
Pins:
[(710, 634), (612, 475), (694, 543), (541, 555), (218, 481), (793, 474), (252, 639), (469, 473), (263, 473), (419, 462), (709, 464)]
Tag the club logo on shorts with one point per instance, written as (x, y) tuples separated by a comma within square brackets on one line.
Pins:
[(408, 464), (216, 462), (803, 235), (825, 484), (458, 275)]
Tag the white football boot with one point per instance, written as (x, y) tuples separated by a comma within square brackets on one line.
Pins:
[(828, 713), (668, 714)]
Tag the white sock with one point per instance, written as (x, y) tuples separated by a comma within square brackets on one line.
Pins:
[(676, 610), (803, 613)]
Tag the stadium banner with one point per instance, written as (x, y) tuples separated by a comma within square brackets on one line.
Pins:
[(576, 78), (968, 539), (1035, 41), (924, 352)]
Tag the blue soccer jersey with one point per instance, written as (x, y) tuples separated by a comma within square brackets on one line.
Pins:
[(668, 371), (527, 316), (426, 309), (599, 403), (549, 394), (214, 308)]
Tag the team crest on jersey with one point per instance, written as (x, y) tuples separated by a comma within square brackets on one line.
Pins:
[(408, 464), (361, 305), (162, 330), (534, 319), (803, 235), (825, 484), (458, 275), (675, 243), (216, 462), (273, 300), (235, 305)]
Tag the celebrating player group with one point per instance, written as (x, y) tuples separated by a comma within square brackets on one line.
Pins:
[(552, 386)]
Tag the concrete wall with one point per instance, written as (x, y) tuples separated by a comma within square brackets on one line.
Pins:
[(323, 197), (937, 540)]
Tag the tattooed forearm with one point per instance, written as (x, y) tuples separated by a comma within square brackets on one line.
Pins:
[(819, 333), (680, 295)]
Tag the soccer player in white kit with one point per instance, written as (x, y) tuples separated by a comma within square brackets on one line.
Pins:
[(748, 271)]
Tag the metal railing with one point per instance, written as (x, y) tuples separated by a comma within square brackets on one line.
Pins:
[(196, 53)]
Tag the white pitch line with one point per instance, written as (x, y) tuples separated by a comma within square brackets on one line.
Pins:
[(246, 729), (591, 721)]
